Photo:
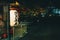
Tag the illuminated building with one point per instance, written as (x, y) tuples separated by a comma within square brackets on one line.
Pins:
[(43, 12)]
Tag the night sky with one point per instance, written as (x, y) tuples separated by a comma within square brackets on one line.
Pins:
[(34, 3), (40, 3)]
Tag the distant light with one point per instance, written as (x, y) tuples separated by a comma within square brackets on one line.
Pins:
[(43, 14), (34, 14), (50, 15), (17, 3), (59, 11), (14, 4), (56, 11)]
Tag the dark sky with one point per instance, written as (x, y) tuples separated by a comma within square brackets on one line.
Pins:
[(42, 3), (33, 3)]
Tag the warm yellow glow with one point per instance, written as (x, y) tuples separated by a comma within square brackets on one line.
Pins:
[(14, 4), (17, 3), (12, 17)]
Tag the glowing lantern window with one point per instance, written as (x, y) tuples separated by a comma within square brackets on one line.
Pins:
[(13, 17)]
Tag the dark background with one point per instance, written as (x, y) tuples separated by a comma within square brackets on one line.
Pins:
[(48, 28), (40, 3)]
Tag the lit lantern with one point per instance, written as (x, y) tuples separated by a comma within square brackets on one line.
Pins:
[(14, 14), (13, 17)]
